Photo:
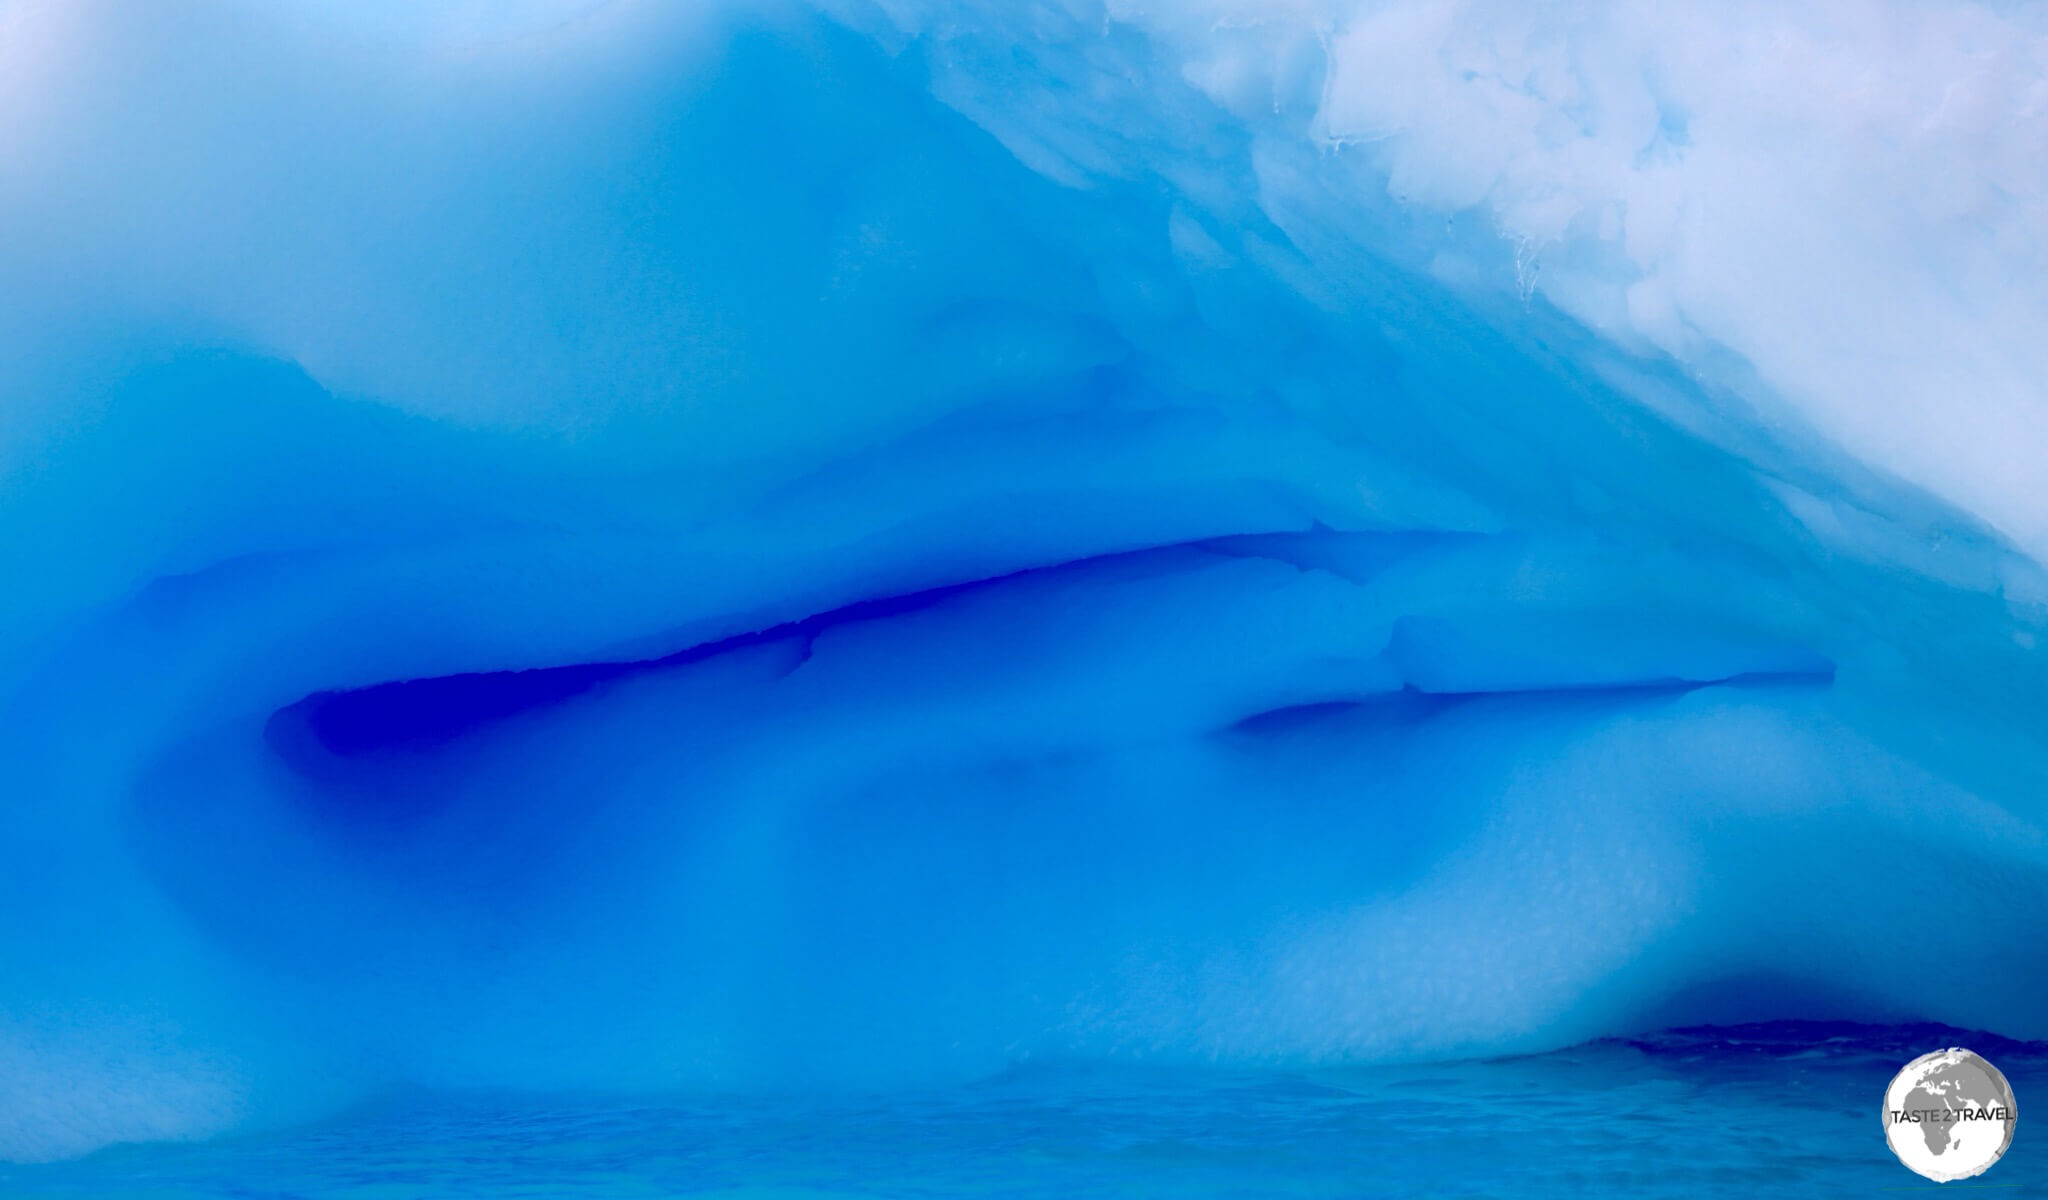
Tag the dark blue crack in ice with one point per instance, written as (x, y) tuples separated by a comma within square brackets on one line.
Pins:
[(609, 549)]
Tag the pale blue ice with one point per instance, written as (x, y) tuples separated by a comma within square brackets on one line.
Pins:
[(634, 550)]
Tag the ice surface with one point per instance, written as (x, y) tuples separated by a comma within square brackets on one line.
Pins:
[(590, 546)]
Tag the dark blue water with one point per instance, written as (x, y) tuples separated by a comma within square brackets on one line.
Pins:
[(1780, 1109)]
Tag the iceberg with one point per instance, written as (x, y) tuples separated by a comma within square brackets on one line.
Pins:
[(612, 546)]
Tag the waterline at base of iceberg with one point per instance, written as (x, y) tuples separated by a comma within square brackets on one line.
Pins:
[(1784, 1106)]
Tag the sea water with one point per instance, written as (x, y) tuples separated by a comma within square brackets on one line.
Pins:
[(1787, 1108)]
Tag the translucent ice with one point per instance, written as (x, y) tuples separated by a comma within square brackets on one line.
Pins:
[(583, 545)]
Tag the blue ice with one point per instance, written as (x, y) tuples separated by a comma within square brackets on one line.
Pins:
[(753, 548)]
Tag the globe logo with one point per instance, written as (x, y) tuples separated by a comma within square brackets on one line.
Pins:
[(1949, 1115)]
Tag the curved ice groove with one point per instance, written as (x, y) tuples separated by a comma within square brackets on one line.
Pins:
[(756, 549)]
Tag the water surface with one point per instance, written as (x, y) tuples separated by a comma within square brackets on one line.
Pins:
[(1778, 1109)]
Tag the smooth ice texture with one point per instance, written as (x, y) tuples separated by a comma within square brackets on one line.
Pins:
[(643, 546)]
